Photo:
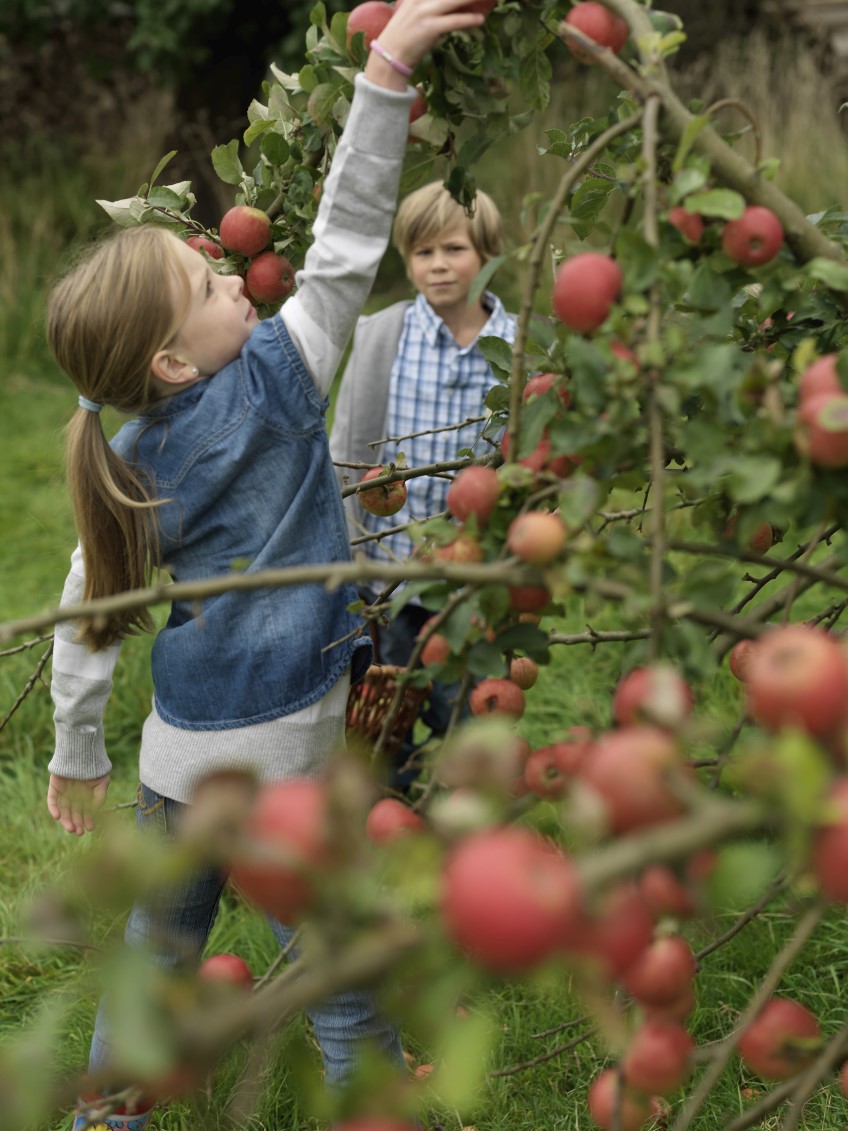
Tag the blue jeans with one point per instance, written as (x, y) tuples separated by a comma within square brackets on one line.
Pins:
[(175, 929)]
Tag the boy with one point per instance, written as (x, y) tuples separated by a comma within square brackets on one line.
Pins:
[(416, 367)]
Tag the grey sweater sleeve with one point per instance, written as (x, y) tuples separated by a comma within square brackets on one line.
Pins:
[(80, 687), (352, 228)]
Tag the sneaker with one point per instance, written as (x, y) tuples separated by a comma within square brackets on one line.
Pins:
[(113, 1122)]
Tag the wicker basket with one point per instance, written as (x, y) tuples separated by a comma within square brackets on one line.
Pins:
[(369, 702)]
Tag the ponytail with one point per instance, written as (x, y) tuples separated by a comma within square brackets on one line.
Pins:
[(106, 320), (116, 526)]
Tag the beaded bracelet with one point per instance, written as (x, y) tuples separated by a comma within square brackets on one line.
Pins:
[(400, 67)]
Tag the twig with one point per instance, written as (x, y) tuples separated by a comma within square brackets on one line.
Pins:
[(426, 432), (30, 684), (544, 1057)]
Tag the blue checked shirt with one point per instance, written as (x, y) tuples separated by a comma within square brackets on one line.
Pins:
[(434, 383)]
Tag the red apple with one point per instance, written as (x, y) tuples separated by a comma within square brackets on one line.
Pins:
[(524, 672), (389, 819), (528, 598), (550, 769), (821, 433), (201, 243), (689, 224), (497, 697), (547, 773), (541, 383), (665, 893), (287, 839), (657, 1058), (820, 377), (798, 677), (740, 659), (610, 1097), (537, 537), (226, 968), (630, 770), (464, 548), (482, 7), (754, 239), (677, 1010), (474, 491), (437, 650), (829, 854), (657, 694), (662, 972), (781, 1040), (386, 499), (370, 18), (612, 934), (270, 277), (507, 896), (245, 230), (585, 289), (598, 23)]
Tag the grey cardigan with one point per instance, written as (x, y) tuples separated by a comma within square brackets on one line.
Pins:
[(363, 397)]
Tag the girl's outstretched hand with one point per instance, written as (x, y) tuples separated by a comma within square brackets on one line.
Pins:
[(74, 803), (413, 29)]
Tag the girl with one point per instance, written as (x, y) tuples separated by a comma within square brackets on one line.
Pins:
[(226, 462)]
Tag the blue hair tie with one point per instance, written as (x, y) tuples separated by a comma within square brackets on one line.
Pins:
[(90, 406)]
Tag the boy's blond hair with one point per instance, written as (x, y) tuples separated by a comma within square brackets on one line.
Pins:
[(431, 210)]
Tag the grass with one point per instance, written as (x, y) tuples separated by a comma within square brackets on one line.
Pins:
[(38, 985)]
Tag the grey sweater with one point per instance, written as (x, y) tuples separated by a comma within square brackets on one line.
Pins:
[(337, 276)]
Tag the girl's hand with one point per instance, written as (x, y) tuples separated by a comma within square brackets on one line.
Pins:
[(412, 31), (74, 803)]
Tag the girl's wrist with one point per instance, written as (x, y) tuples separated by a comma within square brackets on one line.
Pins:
[(394, 62)]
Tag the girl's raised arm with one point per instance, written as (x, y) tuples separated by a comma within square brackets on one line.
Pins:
[(352, 228)]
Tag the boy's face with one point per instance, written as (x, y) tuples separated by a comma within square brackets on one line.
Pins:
[(443, 269)]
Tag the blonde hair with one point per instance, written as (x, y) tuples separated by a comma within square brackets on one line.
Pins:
[(431, 210), (105, 321)]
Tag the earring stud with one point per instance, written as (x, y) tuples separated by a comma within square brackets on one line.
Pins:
[(195, 372)]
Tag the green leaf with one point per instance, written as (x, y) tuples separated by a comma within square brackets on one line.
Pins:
[(707, 289), (318, 15), (587, 203), (534, 79), (753, 477), (275, 148), (226, 162), (829, 272), (483, 276), (742, 874), (462, 1060), (163, 197), (638, 259), (162, 163), (687, 140), (497, 352), (723, 203)]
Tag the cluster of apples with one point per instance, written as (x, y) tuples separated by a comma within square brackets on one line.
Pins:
[(821, 433), (246, 231), (588, 285)]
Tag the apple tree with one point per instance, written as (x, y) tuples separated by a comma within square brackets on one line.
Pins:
[(680, 413)]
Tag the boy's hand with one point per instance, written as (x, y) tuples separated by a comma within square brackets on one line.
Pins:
[(74, 803), (413, 29)]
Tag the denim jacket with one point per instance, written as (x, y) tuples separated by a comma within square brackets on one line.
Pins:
[(243, 460)]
